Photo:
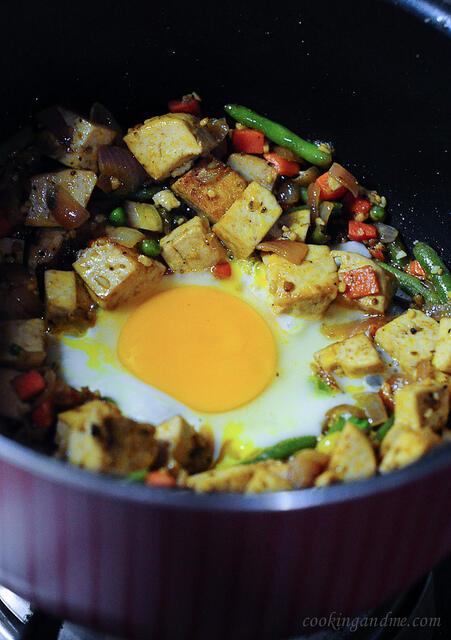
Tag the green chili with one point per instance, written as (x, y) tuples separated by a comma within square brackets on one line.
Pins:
[(338, 425), (410, 284), (384, 428), (280, 135), (435, 269), (284, 449), (397, 254)]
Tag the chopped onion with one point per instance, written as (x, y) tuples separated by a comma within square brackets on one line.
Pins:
[(354, 247), (120, 163), (313, 193), (126, 236), (373, 407), (304, 178), (287, 192), (218, 128), (292, 251), (342, 175), (69, 213), (52, 119), (325, 209), (386, 233), (341, 411)]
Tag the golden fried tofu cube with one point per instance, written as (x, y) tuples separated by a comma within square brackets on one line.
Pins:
[(353, 456), (354, 357), (294, 225), (192, 247), (115, 274), (65, 295), (77, 182), (185, 445), (253, 169), (98, 437), (238, 479), (442, 356), (23, 343), (387, 282), (305, 466), (83, 147), (46, 246), (210, 188), (406, 446), (248, 220), (308, 288), (422, 405), (166, 199), (409, 338), (164, 143)]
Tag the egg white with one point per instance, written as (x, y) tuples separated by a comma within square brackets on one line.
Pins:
[(289, 406)]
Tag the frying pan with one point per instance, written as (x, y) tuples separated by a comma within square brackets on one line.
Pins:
[(155, 563)]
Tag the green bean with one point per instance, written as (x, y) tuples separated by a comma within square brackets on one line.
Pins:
[(284, 449), (150, 248), (384, 428), (23, 138), (117, 217), (410, 284), (377, 213), (435, 269), (397, 254), (145, 194), (137, 476), (361, 423), (280, 135)]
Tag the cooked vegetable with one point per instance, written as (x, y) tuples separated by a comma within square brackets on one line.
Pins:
[(143, 215), (387, 234), (319, 237), (397, 253), (341, 175), (360, 231), (284, 449), (137, 476), (67, 212), (117, 217), (248, 140), (287, 192), (330, 189), (411, 285), (283, 166), (361, 282), (150, 248), (360, 423), (415, 269), (435, 269), (377, 213), (190, 103), (222, 271), (294, 252), (44, 414), (160, 479), (313, 192), (359, 207), (126, 236), (304, 178), (118, 163), (280, 135), (383, 429), (28, 384)]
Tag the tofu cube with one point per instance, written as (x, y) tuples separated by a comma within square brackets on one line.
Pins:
[(164, 143), (253, 169), (387, 283), (83, 148), (166, 199), (239, 478), (185, 445), (65, 296), (192, 247), (77, 182), (308, 288), (353, 456), (406, 446), (115, 274), (248, 220), (98, 437), (23, 343), (210, 188), (409, 338), (422, 405), (295, 225), (354, 357), (46, 246), (442, 356)]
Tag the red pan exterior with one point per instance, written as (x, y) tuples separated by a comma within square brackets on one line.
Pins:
[(162, 564)]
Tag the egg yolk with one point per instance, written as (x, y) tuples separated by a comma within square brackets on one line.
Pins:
[(202, 346)]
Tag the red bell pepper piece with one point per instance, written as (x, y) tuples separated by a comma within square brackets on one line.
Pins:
[(360, 208), (326, 191), (415, 269), (43, 414), (5, 226), (160, 479), (361, 231), (28, 384), (188, 104), (248, 140), (222, 270), (283, 166), (361, 282), (378, 254)]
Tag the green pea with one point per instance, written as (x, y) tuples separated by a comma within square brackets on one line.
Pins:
[(117, 217), (377, 213), (150, 248), (15, 349)]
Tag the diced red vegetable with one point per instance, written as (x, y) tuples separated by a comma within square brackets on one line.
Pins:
[(360, 208), (361, 231), (43, 414), (378, 254), (248, 140), (415, 269), (188, 104), (222, 270), (5, 226), (283, 166), (28, 384), (361, 282), (160, 479), (326, 191)]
